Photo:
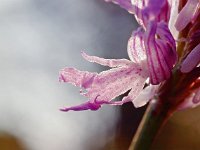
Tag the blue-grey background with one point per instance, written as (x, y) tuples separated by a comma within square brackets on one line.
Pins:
[(37, 39)]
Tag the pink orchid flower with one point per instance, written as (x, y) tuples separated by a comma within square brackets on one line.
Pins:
[(152, 52)]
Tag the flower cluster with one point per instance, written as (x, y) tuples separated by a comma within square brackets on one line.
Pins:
[(153, 54)]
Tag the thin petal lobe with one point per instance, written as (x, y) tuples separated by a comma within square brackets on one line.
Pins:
[(106, 62)]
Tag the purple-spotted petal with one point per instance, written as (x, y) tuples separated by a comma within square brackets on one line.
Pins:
[(114, 82), (103, 87), (106, 62), (78, 78), (192, 60), (126, 4), (187, 14), (135, 90), (160, 53)]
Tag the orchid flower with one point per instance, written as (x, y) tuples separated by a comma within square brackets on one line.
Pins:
[(152, 54), (164, 69)]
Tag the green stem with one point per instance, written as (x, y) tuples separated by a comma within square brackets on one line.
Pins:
[(154, 118)]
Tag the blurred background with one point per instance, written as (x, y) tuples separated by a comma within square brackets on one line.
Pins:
[(40, 37)]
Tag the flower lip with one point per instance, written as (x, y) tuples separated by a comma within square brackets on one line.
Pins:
[(102, 88)]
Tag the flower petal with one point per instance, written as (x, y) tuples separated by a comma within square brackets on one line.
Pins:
[(148, 10), (157, 10), (78, 78), (187, 14), (173, 16), (139, 6), (192, 60), (165, 34), (114, 82), (126, 4), (84, 106), (137, 87), (160, 58), (106, 62), (168, 42), (145, 95), (135, 48), (105, 86)]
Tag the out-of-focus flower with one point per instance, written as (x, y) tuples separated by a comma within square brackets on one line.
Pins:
[(187, 14), (152, 53), (189, 25), (192, 60)]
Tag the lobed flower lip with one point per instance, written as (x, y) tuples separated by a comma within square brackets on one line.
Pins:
[(103, 87)]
